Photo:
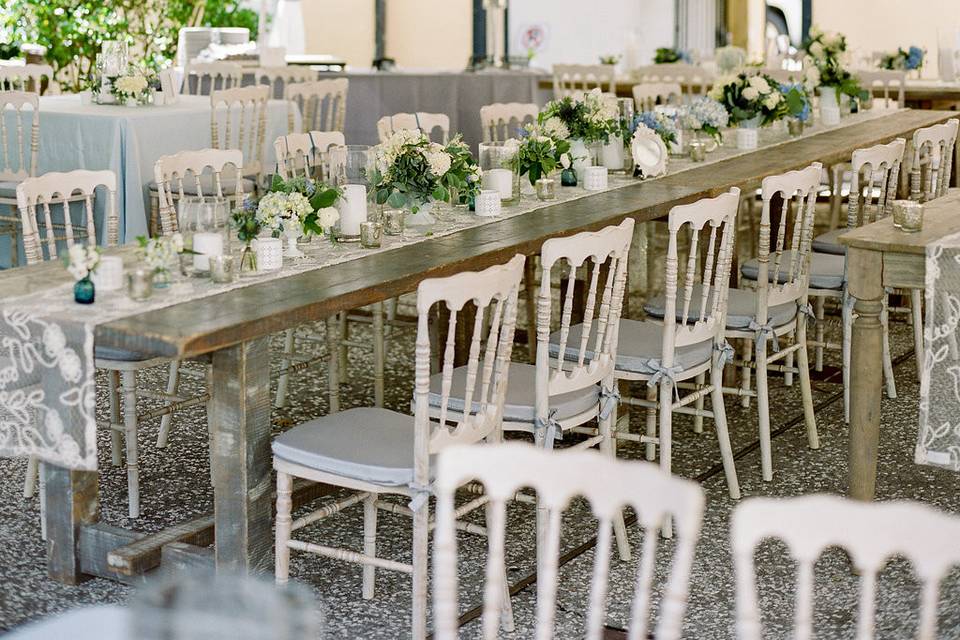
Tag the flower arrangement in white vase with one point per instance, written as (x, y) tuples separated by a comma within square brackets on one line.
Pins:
[(130, 88), (752, 100), (825, 58), (408, 174), (296, 208), (590, 120)]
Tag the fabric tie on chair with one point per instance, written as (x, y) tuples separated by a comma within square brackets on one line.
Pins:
[(727, 353), (807, 310), (544, 427), (660, 372), (609, 399), (421, 493), (762, 331)]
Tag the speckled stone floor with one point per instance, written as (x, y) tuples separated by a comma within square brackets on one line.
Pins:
[(175, 486)]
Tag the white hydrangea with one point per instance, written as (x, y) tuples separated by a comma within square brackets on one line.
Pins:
[(131, 85), (160, 253), (759, 83), (438, 159), (82, 260), (751, 93), (772, 100), (811, 75), (277, 209), (816, 49), (555, 128), (720, 84), (387, 152)]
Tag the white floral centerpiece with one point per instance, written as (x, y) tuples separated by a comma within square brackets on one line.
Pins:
[(704, 114), (589, 120), (826, 52), (130, 89), (753, 100), (408, 173), (160, 255)]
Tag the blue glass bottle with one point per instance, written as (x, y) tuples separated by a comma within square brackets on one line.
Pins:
[(568, 178), (83, 291)]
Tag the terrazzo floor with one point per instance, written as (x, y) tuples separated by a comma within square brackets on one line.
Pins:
[(175, 487)]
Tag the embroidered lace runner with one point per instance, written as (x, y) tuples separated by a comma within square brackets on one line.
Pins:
[(938, 442), (47, 392)]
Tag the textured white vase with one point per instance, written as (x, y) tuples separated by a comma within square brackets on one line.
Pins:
[(829, 106), (748, 134)]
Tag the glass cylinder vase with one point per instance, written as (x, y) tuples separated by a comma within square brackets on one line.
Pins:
[(500, 171)]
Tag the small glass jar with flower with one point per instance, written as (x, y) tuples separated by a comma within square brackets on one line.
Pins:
[(82, 261), (160, 256)]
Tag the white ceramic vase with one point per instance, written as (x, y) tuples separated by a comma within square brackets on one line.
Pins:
[(829, 106), (748, 134), (612, 155)]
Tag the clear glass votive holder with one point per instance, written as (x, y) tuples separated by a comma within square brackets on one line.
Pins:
[(795, 127), (697, 150), (140, 283), (546, 189), (221, 269), (370, 234), (908, 215), (393, 221)]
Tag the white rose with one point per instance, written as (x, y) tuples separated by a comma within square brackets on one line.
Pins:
[(327, 217), (772, 100), (751, 93), (565, 161), (816, 50)]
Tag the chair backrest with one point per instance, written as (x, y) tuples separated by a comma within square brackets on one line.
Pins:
[(649, 94), (322, 104), (870, 532), (37, 197), (300, 152), (875, 174), (558, 476), (932, 160), (419, 121), (890, 80), (25, 77), (588, 358), (493, 292), (501, 120), (713, 220), (203, 78), (784, 269), (279, 78), (173, 171), (693, 79), (238, 120), (20, 149), (568, 79)]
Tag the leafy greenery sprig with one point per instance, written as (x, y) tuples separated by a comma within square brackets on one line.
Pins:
[(463, 176), (538, 156)]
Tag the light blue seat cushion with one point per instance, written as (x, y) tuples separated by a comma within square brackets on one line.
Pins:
[(8, 191), (826, 271), (741, 308), (828, 243), (110, 353), (369, 444), (639, 347), (520, 405), (228, 184)]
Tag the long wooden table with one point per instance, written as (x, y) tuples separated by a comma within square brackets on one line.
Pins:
[(233, 329), (879, 256)]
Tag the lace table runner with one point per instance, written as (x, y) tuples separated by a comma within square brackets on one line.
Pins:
[(47, 391)]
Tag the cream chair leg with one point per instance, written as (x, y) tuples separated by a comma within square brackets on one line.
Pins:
[(30, 478), (745, 372), (763, 411), (698, 404), (420, 552), (819, 304), (333, 362), (173, 384), (369, 544), (847, 318), (391, 307), (116, 437), (836, 195), (129, 382), (530, 303), (666, 440), (916, 308), (788, 361), (608, 447), (891, 383), (344, 330), (378, 354), (806, 390), (651, 423), (723, 435), (289, 344), (284, 523)]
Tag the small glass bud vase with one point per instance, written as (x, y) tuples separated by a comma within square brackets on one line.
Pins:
[(795, 127), (162, 279), (908, 215), (248, 261), (83, 291)]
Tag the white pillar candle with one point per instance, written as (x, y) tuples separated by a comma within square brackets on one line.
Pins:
[(498, 180), (109, 274), (206, 244), (353, 209)]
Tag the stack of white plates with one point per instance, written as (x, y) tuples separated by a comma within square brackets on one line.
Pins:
[(231, 35), (192, 41)]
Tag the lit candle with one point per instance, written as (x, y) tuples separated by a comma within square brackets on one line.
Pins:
[(353, 209), (499, 180), (206, 244)]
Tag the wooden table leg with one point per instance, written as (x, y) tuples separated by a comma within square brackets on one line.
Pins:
[(866, 286), (239, 422), (71, 500)]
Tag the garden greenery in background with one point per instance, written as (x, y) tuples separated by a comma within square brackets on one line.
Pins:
[(73, 30)]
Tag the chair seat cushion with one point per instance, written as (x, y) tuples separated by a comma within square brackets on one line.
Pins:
[(8, 190), (228, 184), (368, 444), (122, 355), (828, 243), (639, 347), (826, 270), (520, 404), (741, 308)]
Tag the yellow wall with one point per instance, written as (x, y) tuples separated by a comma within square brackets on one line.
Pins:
[(341, 28)]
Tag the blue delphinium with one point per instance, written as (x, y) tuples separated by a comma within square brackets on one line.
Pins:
[(797, 101), (914, 58)]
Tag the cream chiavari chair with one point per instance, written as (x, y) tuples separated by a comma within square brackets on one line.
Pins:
[(38, 199), (893, 83), (501, 120), (279, 78), (570, 79), (695, 80), (238, 120), (932, 160), (26, 77), (203, 78), (646, 96), (870, 532), (322, 103), (419, 121), (299, 153), (558, 477), (377, 451), (20, 145)]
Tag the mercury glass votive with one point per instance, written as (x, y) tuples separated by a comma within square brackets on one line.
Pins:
[(140, 283), (221, 269), (393, 222), (697, 150), (795, 127), (546, 189), (370, 233), (908, 215)]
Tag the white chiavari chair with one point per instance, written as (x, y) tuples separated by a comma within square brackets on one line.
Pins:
[(238, 120), (569, 79), (694, 80), (648, 95), (893, 83), (203, 78), (27, 77), (377, 451), (688, 343), (322, 103), (300, 153), (558, 477), (871, 533), (39, 199), (932, 160), (20, 145), (419, 121), (279, 78), (501, 120)]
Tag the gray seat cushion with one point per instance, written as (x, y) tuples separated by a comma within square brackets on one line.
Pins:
[(828, 243), (8, 190), (741, 308), (520, 405), (826, 270), (109, 353), (369, 444), (228, 183), (639, 348)]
